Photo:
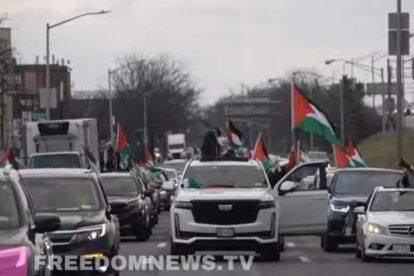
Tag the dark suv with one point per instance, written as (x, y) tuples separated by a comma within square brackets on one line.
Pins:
[(21, 232), (88, 228), (351, 188), (123, 187)]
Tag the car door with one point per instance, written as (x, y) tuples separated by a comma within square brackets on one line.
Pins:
[(304, 209)]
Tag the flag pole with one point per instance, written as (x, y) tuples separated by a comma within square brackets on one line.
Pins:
[(293, 142)]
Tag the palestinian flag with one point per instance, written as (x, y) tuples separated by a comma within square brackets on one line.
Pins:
[(5, 158), (234, 136), (260, 153), (149, 162), (353, 153), (342, 159), (123, 148), (303, 157), (309, 118), (9, 160)]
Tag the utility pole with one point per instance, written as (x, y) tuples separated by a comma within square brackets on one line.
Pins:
[(373, 81), (383, 101), (111, 125), (341, 106), (47, 72), (399, 84)]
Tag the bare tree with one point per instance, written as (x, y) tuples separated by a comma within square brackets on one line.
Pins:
[(171, 94)]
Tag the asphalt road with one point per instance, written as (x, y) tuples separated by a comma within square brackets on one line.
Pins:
[(302, 256)]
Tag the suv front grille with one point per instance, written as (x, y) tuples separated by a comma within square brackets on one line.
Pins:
[(403, 229), (219, 212), (61, 238)]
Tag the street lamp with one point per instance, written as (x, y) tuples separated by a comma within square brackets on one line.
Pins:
[(48, 28)]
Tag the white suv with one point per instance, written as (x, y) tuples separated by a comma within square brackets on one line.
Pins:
[(225, 205)]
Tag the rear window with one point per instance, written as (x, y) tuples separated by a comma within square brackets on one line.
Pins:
[(119, 186), (225, 177), (63, 194), (9, 214), (363, 183), (70, 161)]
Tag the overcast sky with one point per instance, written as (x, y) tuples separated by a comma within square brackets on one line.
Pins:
[(223, 43)]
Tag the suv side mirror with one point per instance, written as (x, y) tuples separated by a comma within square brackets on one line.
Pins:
[(148, 193), (118, 207), (169, 185), (287, 187), (46, 223), (360, 210)]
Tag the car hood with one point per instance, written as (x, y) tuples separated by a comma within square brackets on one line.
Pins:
[(124, 199), (347, 200), (74, 220), (224, 194), (391, 218), (13, 237)]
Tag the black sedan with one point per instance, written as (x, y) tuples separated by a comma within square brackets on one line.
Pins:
[(123, 187), (21, 232)]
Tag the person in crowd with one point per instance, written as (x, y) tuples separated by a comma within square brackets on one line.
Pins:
[(210, 147)]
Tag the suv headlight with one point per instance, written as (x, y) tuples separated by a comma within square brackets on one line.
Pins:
[(374, 228), (340, 208), (267, 204), (91, 232), (183, 205)]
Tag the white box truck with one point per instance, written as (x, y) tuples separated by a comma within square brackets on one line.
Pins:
[(176, 146), (60, 143)]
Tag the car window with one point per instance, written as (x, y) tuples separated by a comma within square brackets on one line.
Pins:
[(362, 183), (80, 194), (9, 212), (55, 161), (225, 176), (119, 186), (305, 177), (393, 201)]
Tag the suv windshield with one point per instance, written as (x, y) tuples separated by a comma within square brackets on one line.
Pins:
[(63, 194), (55, 161), (393, 201), (9, 214), (119, 186), (362, 183), (225, 176)]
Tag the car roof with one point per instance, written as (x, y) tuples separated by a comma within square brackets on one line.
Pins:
[(385, 189), (175, 161), (249, 163), (368, 170), (115, 174), (56, 152), (55, 172)]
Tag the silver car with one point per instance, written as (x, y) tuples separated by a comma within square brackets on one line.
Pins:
[(385, 227)]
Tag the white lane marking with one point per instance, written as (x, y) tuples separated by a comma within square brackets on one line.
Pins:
[(291, 244), (162, 244), (305, 259)]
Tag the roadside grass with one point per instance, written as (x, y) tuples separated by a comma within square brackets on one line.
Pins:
[(381, 151)]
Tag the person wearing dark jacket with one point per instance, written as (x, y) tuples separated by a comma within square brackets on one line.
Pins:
[(210, 147)]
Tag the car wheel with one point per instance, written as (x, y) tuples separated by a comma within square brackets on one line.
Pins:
[(365, 258), (270, 252), (357, 250), (281, 243), (144, 231), (329, 243), (178, 249)]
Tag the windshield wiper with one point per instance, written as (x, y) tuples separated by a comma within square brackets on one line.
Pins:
[(68, 209), (213, 186)]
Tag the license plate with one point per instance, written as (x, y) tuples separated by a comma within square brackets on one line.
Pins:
[(401, 249), (225, 232)]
